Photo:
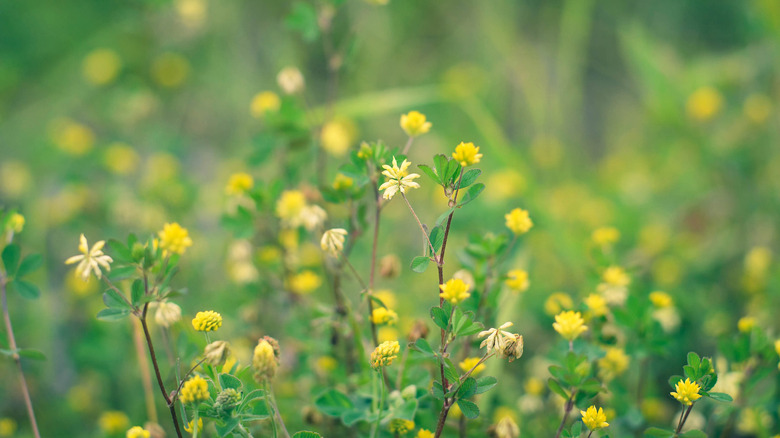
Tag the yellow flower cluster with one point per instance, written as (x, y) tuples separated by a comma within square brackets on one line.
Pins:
[(304, 282), (517, 280), (704, 104), (467, 154), (137, 432), (264, 102), (293, 210), (194, 390), (401, 426), (614, 363), (569, 324), (518, 221), (188, 427), (454, 291), (207, 321), (384, 354), (605, 236), (382, 315), (174, 238), (265, 359), (414, 124), (594, 419), (113, 422), (616, 276), (686, 392), (661, 299), (596, 304), (239, 183), (424, 433), (469, 362)]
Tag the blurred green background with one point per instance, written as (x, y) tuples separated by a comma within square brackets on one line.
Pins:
[(658, 118)]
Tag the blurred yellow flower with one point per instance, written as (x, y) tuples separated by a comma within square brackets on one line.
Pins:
[(290, 80), (188, 426), (290, 205), (265, 359), (605, 236), (71, 137), (469, 363), (387, 297), (517, 280), (506, 427), (113, 422), (326, 364), (704, 104), (467, 154), (16, 223), (556, 302), (614, 363), (137, 432), (170, 70), (569, 324), (616, 276), (304, 282), (15, 178), (518, 221), (174, 238), (661, 299), (757, 108), (594, 419), (264, 102), (90, 259), (239, 183), (337, 136), (207, 321), (546, 150), (505, 184), (413, 123), (596, 304), (121, 159), (454, 291), (191, 12), (746, 324), (398, 179), (8, 427), (384, 354), (400, 426), (686, 392), (194, 390), (534, 386), (424, 433), (332, 241), (101, 66), (757, 260), (342, 182), (386, 333), (382, 315)]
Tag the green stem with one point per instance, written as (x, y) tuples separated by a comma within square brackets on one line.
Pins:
[(268, 407), (381, 406)]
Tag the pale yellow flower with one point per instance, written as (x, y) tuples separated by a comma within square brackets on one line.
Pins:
[(264, 102), (594, 419), (90, 259), (569, 324), (414, 123), (166, 313), (467, 154), (398, 179), (337, 136), (289, 206), (495, 338), (332, 241), (265, 359), (518, 221), (239, 183), (290, 80), (101, 66), (517, 280)]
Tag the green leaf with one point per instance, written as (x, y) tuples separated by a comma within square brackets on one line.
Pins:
[(306, 434), (420, 264), (352, 416), (657, 432), (430, 172), (422, 346), (120, 252), (453, 172), (441, 161), (436, 391), (137, 291), (31, 354), (693, 434), (469, 177), (468, 388), (576, 428), (112, 314), (223, 429), (444, 216), (230, 381), (469, 409), (437, 237), (440, 318), (25, 289), (674, 379), (484, 384), (10, 257), (303, 19), (29, 264), (720, 396), (471, 194), (113, 300), (690, 372), (122, 273), (694, 360), (252, 396), (333, 403), (557, 388)]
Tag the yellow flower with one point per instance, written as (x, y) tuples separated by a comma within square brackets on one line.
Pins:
[(326, 364), (90, 259), (594, 419), (265, 359), (454, 291), (704, 104), (757, 108), (208, 321), (401, 426), (101, 66), (290, 205), (191, 12), (414, 123), (304, 283), (757, 260), (112, 422), (686, 392), (188, 427), (557, 302), (194, 390), (170, 69), (777, 347), (137, 432), (8, 427), (661, 299), (121, 159), (384, 354), (337, 136), (534, 386), (597, 304), (746, 324), (518, 221), (517, 280), (569, 324), (16, 223), (332, 241), (381, 315), (614, 363), (290, 80), (469, 362), (605, 236), (424, 433), (387, 297), (616, 276), (264, 102), (467, 154), (72, 137), (239, 183), (386, 333), (342, 182), (174, 238), (398, 179)]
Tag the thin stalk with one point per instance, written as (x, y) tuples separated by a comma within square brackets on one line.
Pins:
[(381, 406), (591, 433), (683, 418), (268, 407), (439, 261), (278, 414), (567, 411), (12, 345), (408, 145), (146, 377), (372, 274)]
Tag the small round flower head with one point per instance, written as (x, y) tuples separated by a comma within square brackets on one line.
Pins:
[(290, 80), (605, 236), (312, 217), (188, 426), (332, 241), (569, 324), (208, 321), (91, 259), (194, 390), (384, 354), (467, 154), (289, 207), (264, 102), (382, 315), (686, 392), (424, 433), (596, 304), (614, 363), (704, 103), (239, 183), (746, 324), (454, 291), (517, 280), (661, 299), (16, 223), (170, 70), (336, 137), (594, 419), (304, 282), (137, 432), (469, 362), (401, 426), (398, 179), (616, 276), (265, 359), (113, 422), (174, 238), (227, 400), (556, 302), (216, 352), (342, 182), (166, 313), (101, 66), (414, 123), (518, 221)]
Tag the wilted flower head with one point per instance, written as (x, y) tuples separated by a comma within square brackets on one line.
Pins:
[(390, 266), (290, 80), (513, 347), (384, 354), (518, 221), (174, 238), (496, 338), (167, 313), (414, 123), (467, 154), (569, 324), (398, 179), (207, 321), (265, 359), (506, 427), (90, 259), (594, 419), (332, 241), (216, 352)]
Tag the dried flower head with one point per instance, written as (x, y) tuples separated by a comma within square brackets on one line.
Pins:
[(216, 352), (495, 338), (90, 259), (332, 241), (398, 179), (166, 313)]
